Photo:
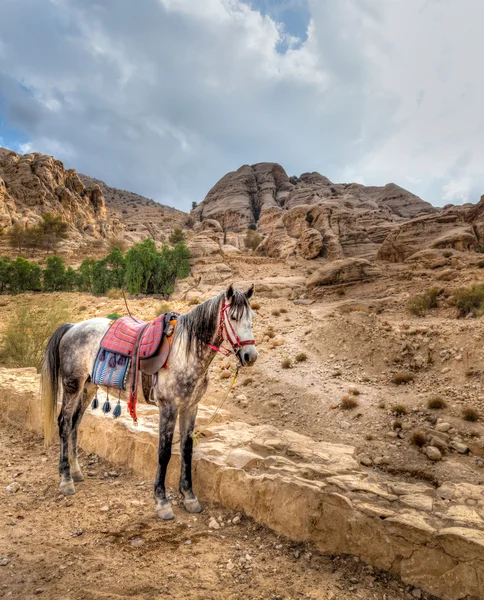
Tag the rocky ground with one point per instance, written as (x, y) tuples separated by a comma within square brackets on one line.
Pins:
[(107, 543)]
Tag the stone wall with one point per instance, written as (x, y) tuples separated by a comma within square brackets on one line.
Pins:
[(309, 491)]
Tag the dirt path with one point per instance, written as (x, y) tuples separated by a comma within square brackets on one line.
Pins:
[(106, 543)]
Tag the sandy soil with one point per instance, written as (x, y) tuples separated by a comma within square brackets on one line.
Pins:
[(106, 543)]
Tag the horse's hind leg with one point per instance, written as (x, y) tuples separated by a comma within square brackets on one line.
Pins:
[(87, 395), (168, 414), (70, 400), (187, 424)]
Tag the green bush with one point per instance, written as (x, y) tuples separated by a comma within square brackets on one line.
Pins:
[(470, 300), (252, 239), (419, 305)]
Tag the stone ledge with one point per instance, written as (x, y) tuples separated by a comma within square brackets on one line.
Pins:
[(306, 490)]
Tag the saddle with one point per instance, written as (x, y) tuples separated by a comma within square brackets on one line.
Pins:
[(129, 341)]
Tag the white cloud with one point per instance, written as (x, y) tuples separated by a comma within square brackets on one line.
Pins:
[(166, 98)]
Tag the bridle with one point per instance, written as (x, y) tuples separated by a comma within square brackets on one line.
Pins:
[(226, 331)]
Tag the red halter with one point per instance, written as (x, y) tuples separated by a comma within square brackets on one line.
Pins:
[(225, 326)]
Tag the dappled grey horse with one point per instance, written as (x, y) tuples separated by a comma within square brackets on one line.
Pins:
[(69, 361)]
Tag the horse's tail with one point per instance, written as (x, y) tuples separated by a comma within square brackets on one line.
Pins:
[(49, 381)]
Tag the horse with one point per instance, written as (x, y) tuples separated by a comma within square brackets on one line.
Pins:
[(69, 360)]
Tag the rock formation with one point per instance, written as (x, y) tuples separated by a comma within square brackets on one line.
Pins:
[(34, 183)]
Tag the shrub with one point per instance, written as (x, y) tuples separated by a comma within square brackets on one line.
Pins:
[(480, 264), (348, 402), (252, 239), (118, 243), (193, 302), (399, 409), (286, 363), (470, 299), (276, 312), (402, 377), (27, 332), (255, 305), (247, 381), (283, 310), (270, 333), (163, 308), (418, 438), (301, 357), (436, 403), (114, 316), (419, 305), (447, 253), (396, 425), (381, 405), (115, 293), (176, 236), (341, 292), (470, 414)]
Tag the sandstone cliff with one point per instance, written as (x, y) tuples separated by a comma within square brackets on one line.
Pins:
[(308, 216), (34, 183)]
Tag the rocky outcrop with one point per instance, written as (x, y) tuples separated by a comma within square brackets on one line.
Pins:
[(308, 216), (347, 270), (34, 183), (312, 492), (457, 227)]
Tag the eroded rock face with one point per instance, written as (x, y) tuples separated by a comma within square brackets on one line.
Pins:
[(34, 183), (308, 216), (347, 270), (457, 227)]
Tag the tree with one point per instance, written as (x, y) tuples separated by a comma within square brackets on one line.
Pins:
[(16, 237), (252, 239), (70, 280), (54, 274), (117, 266), (24, 276), (85, 275), (194, 205), (176, 236), (140, 262), (54, 229), (172, 264), (5, 274), (34, 238)]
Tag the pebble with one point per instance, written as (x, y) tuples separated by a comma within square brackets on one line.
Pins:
[(443, 427), (236, 520), (4, 561), (364, 459), (433, 453), (416, 593), (213, 524), (13, 488), (461, 448)]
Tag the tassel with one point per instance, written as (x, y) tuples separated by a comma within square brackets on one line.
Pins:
[(117, 410), (95, 403), (102, 355), (112, 361), (121, 360), (106, 407)]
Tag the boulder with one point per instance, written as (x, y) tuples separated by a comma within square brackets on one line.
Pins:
[(347, 270)]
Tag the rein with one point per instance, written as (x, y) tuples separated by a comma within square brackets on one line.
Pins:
[(226, 331)]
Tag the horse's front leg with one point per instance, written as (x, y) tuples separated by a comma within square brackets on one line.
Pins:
[(168, 414), (187, 425)]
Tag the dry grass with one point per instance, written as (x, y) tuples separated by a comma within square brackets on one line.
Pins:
[(419, 305), (194, 301), (247, 381), (402, 377), (348, 402), (396, 425), (276, 312), (436, 403), (381, 405), (286, 363), (470, 414), (301, 357), (255, 305), (399, 409), (163, 308), (470, 300), (283, 310), (28, 330), (270, 333), (418, 438), (115, 294), (341, 292)]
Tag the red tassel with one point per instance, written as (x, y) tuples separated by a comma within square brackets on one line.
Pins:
[(132, 407)]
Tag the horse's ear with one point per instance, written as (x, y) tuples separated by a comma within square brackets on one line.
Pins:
[(229, 293), (250, 292)]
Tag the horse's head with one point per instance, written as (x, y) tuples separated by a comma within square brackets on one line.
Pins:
[(238, 325)]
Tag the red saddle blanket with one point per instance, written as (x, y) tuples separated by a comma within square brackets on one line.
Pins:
[(123, 335)]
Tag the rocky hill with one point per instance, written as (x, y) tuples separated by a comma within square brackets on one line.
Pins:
[(31, 184), (140, 217), (309, 216)]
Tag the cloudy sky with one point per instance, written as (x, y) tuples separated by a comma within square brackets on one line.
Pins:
[(163, 97)]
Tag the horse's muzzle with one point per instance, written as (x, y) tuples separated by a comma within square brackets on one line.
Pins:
[(247, 355)]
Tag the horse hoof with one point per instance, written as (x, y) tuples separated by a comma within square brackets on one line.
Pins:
[(192, 505), (77, 476), (165, 512), (67, 488)]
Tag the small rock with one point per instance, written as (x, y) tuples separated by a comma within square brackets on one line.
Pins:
[(416, 593), (236, 520), (104, 508), (364, 459), (137, 542), (188, 542), (4, 561), (461, 448), (443, 427), (213, 524), (230, 566), (13, 488), (433, 453)]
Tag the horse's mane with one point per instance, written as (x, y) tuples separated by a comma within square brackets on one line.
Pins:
[(199, 326)]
